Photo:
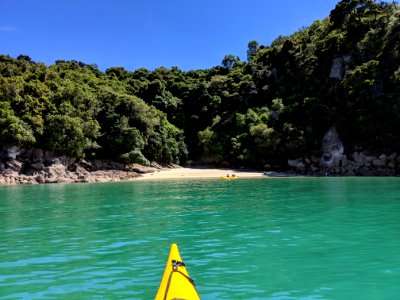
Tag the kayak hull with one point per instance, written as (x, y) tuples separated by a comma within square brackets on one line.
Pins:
[(176, 283), (229, 177)]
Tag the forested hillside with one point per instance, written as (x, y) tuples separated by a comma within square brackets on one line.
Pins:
[(343, 71)]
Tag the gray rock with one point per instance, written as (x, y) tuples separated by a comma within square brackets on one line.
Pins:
[(9, 172), (80, 171), (37, 166), (40, 179), (363, 171), (13, 152), (339, 66), (118, 166), (315, 160), (65, 180), (349, 172), (327, 161), (66, 160), (55, 171), (14, 165), (333, 150), (358, 157), (276, 174), (379, 163), (50, 180), (369, 158), (293, 163), (37, 153), (298, 164)]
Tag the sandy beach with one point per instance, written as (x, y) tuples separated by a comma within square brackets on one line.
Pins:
[(192, 173)]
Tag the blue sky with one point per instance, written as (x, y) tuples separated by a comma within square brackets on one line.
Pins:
[(190, 34)]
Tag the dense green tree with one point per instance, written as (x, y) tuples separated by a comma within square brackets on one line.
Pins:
[(252, 49), (13, 131), (230, 61)]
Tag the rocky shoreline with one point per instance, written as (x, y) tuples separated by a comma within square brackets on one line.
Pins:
[(35, 166), (335, 162), (358, 164)]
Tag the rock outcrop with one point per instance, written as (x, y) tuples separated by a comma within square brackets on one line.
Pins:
[(334, 162), (357, 164), (339, 66), (35, 166), (333, 149)]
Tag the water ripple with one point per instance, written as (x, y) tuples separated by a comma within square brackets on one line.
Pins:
[(254, 239)]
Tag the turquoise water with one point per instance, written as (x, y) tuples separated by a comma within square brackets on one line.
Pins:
[(279, 238)]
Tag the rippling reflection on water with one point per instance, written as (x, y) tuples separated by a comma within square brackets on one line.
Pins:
[(286, 238)]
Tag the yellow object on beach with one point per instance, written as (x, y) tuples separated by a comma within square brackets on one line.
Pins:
[(176, 283), (232, 177)]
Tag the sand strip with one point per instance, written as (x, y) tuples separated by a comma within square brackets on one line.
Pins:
[(198, 173)]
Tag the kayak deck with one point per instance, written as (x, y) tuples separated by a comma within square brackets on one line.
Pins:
[(176, 283)]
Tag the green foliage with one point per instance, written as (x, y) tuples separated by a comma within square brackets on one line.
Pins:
[(275, 106), (230, 61), (135, 156), (13, 131), (252, 49), (69, 135)]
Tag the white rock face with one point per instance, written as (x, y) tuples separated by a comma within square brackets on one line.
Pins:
[(339, 66)]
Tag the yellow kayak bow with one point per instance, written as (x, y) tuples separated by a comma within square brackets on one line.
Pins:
[(176, 283)]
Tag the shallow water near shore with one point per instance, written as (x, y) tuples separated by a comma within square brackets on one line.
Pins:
[(272, 238)]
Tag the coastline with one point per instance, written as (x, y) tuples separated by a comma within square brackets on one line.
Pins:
[(59, 174), (36, 166)]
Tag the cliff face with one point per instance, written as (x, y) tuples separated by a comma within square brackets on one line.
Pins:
[(332, 148)]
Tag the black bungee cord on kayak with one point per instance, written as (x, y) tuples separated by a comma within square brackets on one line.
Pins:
[(175, 265)]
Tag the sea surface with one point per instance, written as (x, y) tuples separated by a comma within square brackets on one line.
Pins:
[(270, 238)]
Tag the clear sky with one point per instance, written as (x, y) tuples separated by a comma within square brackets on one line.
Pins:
[(190, 34)]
